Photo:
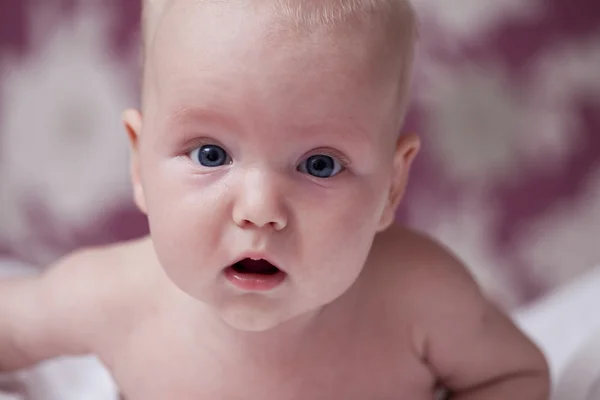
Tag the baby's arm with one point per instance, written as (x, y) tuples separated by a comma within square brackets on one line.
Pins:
[(474, 349), (41, 316)]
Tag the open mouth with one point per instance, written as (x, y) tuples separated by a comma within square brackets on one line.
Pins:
[(258, 267), (255, 275)]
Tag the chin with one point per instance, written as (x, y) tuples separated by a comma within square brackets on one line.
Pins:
[(251, 320), (252, 313)]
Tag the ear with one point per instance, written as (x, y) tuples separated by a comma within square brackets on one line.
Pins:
[(407, 148), (132, 119)]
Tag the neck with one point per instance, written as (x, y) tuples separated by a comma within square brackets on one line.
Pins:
[(284, 338), (281, 341)]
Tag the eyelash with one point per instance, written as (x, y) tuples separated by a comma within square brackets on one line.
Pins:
[(202, 142), (330, 153), (344, 161)]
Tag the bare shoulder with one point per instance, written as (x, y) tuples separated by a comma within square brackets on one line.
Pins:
[(67, 309), (96, 270), (430, 288), (457, 331), (420, 266), (62, 311), (93, 287)]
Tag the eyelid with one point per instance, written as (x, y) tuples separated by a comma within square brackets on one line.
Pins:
[(198, 142), (202, 141), (338, 155)]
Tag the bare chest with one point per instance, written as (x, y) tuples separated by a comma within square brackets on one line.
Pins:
[(163, 365)]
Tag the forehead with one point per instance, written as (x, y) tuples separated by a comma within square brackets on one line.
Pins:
[(235, 52)]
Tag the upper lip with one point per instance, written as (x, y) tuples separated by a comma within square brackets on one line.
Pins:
[(256, 255)]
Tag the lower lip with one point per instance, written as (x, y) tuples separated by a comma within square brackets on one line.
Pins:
[(254, 282)]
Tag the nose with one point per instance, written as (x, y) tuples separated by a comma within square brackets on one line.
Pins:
[(259, 202)]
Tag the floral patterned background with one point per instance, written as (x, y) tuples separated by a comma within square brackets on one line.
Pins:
[(507, 100)]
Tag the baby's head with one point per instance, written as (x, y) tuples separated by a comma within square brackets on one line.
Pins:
[(271, 129)]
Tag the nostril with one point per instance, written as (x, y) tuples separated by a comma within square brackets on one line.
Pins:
[(275, 225)]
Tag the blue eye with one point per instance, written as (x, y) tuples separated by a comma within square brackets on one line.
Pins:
[(321, 166), (210, 156)]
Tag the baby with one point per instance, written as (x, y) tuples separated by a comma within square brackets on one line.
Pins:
[(269, 161)]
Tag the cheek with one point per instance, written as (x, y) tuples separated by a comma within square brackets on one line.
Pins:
[(335, 245), (175, 200), (360, 208), (340, 228), (185, 220)]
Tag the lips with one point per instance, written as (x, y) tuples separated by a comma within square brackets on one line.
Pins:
[(251, 274)]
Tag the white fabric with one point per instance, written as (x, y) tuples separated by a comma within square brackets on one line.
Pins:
[(581, 378), (82, 378), (566, 325)]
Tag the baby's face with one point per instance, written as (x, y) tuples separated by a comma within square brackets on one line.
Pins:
[(264, 144)]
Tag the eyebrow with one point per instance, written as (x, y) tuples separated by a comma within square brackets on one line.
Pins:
[(214, 117), (344, 130), (206, 115)]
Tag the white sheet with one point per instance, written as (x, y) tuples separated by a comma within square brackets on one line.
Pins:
[(566, 325)]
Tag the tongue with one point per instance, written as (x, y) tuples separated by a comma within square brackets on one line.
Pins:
[(256, 267)]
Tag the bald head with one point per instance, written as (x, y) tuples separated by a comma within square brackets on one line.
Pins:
[(388, 27), (305, 13)]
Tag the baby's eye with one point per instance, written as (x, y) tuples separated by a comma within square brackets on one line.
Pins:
[(321, 166), (210, 156)]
